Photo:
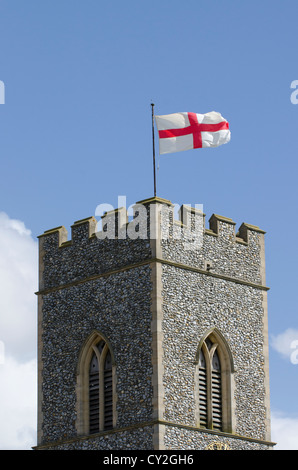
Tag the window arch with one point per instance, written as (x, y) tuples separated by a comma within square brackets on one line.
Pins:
[(214, 383), (96, 387)]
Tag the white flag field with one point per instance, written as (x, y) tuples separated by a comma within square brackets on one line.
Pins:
[(184, 131)]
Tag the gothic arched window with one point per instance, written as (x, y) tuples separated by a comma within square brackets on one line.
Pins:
[(214, 374), (96, 395), (100, 389)]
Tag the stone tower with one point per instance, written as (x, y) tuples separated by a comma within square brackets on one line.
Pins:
[(153, 333)]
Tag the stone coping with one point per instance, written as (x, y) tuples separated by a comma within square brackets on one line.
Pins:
[(147, 262), (152, 423)]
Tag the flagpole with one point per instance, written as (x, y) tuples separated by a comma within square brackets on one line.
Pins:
[(153, 143)]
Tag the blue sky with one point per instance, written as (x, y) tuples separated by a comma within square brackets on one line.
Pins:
[(79, 80)]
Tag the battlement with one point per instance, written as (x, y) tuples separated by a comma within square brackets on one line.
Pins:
[(116, 224), (150, 229)]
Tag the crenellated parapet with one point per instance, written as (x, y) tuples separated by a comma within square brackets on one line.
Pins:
[(153, 229)]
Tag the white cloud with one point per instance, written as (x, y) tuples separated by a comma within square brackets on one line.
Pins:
[(18, 398), (18, 282), (18, 327), (286, 344), (284, 431)]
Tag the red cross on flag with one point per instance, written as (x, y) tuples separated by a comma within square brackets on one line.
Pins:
[(185, 131)]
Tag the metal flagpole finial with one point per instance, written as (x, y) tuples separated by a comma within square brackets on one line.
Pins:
[(153, 143)]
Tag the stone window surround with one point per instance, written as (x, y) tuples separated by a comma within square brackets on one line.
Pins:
[(82, 392), (227, 379)]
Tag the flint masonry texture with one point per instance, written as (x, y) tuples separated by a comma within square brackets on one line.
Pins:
[(153, 298)]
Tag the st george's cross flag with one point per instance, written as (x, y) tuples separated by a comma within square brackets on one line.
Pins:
[(185, 131)]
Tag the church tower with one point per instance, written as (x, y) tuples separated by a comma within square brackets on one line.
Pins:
[(153, 333)]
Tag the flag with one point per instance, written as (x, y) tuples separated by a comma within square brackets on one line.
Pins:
[(185, 131)]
